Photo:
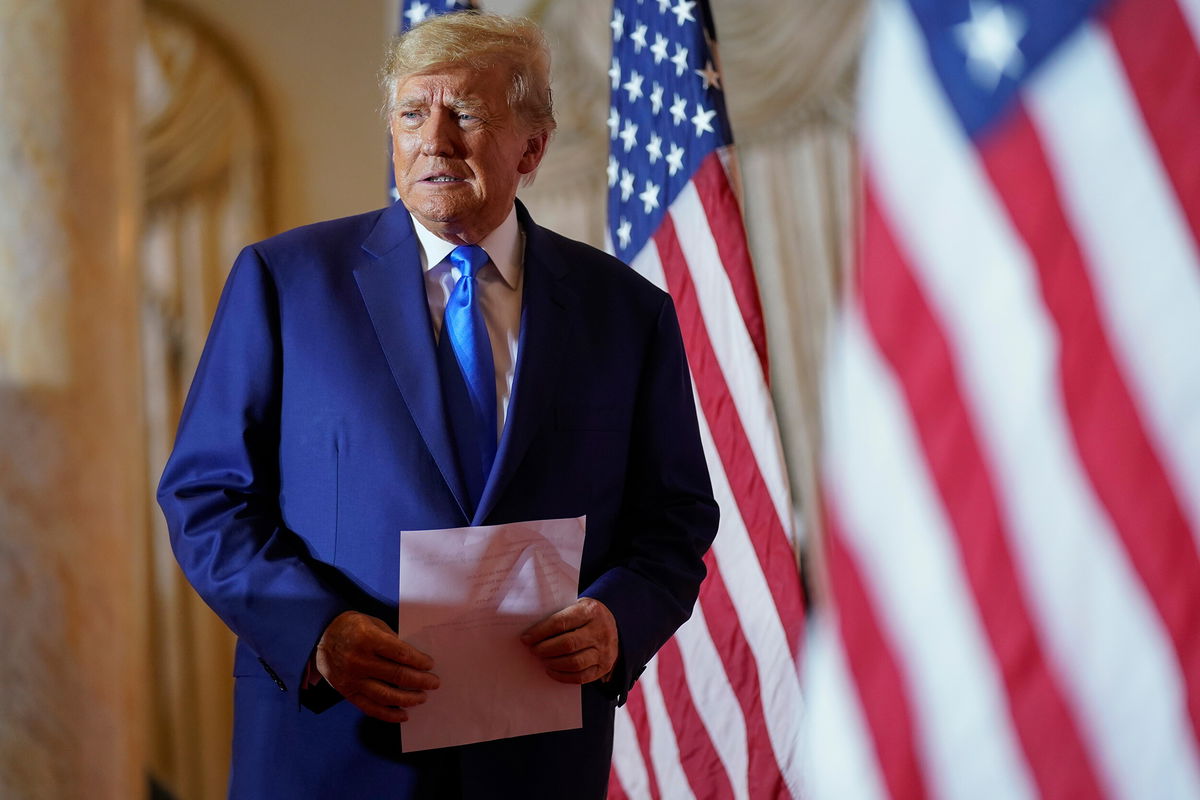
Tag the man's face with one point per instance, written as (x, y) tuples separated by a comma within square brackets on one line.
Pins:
[(459, 151)]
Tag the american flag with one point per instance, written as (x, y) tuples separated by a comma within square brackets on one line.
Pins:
[(1012, 463), (411, 13), (716, 714)]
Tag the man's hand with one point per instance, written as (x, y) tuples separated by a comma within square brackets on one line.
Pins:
[(578, 644), (374, 668)]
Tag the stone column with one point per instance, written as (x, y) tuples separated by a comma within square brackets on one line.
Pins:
[(72, 512)]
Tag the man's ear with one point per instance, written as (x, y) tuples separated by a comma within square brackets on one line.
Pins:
[(535, 150)]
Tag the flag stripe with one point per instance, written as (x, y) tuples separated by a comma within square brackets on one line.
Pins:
[(1191, 13), (881, 687), (1162, 64), (1124, 215), (1031, 181), (1066, 542), (761, 573), (751, 641), (1108, 430), (772, 545), (738, 661), (840, 756), (894, 524), (747, 635), (1139, 224), (724, 215), (635, 706), (730, 342), (910, 338), (628, 774), (664, 749), (698, 758), (754, 654), (721, 713), (1155, 310), (615, 790)]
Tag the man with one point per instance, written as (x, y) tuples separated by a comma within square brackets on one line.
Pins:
[(339, 401)]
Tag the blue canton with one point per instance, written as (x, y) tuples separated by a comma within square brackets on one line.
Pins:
[(415, 11), (983, 50), (667, 112)]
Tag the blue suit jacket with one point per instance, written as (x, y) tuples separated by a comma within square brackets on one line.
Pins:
[(313, 433)]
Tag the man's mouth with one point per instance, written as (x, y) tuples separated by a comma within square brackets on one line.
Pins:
[(442, 179)]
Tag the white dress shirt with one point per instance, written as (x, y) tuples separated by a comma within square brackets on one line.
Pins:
[(499, 285)]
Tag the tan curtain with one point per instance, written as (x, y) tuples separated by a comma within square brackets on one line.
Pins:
[(207, 177)]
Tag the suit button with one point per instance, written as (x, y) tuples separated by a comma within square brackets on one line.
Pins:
[(274, 677)]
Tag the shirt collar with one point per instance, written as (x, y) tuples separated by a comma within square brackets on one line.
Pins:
[(503, 246)]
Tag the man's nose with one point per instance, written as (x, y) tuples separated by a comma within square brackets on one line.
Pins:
[(439, 134)]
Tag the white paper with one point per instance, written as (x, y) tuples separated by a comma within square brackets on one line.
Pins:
[(466, 596)]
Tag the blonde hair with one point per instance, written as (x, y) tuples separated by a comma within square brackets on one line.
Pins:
[(482, 42)]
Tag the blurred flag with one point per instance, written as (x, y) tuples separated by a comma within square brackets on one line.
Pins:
[(716, 714), (416, 11), (1012, 462), (411, 13)]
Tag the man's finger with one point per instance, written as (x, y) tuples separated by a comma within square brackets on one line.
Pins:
[(385, 694), (393, 648), (381, 711), (586, 676), (566, 643), (574, 662), (573, 616), (405, 677)]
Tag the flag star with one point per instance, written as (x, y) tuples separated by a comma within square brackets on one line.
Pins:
[(680, 59), (702, 119), (638, 37), (656, 100), (624, 233), (679, 109), (614, 170), (659, 48), (629, 135), (395, 193), (626, 185), (617, 24), (709, 75), (683, 11), (654, 149), (990, 40), (417, 13), (675, 158), (634, 86), (614, 122), (663, 6), (614, 72), (649, 197)]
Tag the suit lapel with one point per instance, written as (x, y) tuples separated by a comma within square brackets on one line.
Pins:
[(543, 322), (393, 288)]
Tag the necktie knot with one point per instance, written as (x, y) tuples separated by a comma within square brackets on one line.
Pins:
[(469, 258)]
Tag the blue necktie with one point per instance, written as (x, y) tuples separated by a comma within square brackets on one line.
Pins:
[(465, 343)]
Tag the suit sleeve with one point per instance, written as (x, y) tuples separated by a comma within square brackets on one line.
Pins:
[(668, 518), (220, 489)]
